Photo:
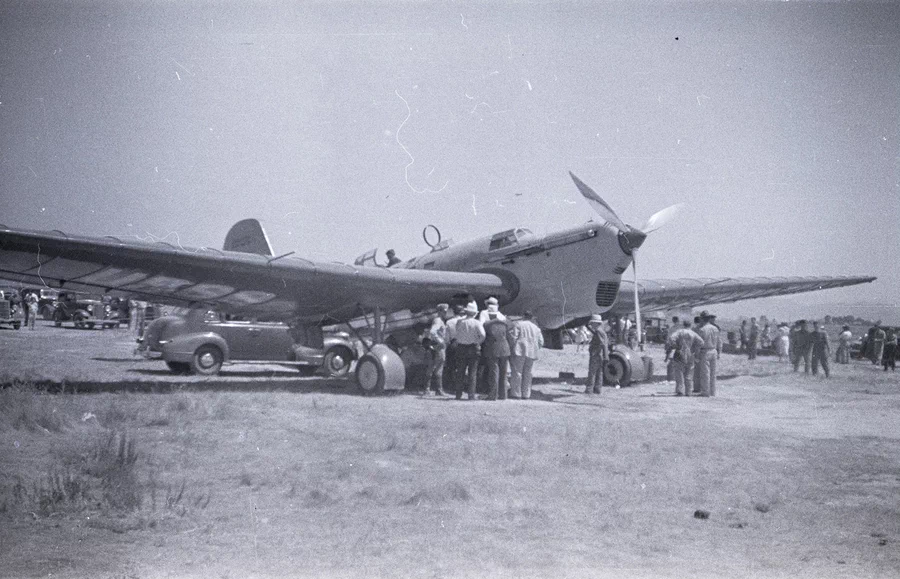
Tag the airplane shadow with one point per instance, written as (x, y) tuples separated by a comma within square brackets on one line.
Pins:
[(259, 374), (226, 383)]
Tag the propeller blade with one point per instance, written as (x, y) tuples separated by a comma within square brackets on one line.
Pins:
[(599, 205), (661, 217)]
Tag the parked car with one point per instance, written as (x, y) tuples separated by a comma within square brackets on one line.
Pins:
[(201, 342), (11, 308), (84, 310)]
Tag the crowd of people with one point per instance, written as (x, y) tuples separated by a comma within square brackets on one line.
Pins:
[(692, 352), (463, 345)]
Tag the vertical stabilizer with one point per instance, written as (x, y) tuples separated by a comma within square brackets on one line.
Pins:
[(248, 236)]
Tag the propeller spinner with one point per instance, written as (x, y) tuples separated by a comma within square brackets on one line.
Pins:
[(633, 237)]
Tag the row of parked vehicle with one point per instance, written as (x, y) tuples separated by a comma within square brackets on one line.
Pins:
[(199, 342)]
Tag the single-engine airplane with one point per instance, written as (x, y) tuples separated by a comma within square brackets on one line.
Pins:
[(562, 278)]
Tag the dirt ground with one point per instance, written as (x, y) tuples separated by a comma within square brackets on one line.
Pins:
[(261, 473)]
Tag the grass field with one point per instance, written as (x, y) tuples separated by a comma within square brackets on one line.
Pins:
[(265, 474)]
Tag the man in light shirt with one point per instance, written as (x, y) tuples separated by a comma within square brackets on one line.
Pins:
[(683, 345), (525, 341), (469, 334), (709, 353)]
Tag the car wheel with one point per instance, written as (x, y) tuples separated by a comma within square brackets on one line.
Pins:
[(179, 367), (207, 361), (90, 325), (17, 326), (337, 361), (306, 370)]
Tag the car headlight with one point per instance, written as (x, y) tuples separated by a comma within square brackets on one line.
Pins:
[(90, 308), (107, 309)]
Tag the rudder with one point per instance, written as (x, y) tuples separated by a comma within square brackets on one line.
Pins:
[(248, 236)]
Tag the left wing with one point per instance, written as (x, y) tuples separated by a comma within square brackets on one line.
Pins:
[(282, 287), (667, 294)]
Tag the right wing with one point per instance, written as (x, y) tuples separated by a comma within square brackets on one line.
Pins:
[(275, 288), (668, 294)]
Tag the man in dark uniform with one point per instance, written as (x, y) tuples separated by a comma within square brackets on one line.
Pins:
[(821, 349), (495, 353), (802, 347), (598, 355)]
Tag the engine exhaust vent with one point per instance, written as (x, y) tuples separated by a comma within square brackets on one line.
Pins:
[(607, 291)]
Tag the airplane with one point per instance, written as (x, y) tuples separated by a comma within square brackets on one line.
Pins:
[(561, 278)]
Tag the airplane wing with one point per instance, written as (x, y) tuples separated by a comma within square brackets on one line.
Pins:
[(280, 287), (666, 294)]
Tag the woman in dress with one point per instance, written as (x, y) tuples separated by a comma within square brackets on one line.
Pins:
[(782, 342)]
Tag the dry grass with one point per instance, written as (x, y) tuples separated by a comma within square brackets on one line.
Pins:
[(797, 474)]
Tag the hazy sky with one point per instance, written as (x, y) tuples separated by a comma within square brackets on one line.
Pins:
[(345, 126)]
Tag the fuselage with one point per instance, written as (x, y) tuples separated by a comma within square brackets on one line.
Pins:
[(560, 277)]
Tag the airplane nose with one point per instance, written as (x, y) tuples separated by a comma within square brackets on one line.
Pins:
[(631, 240)]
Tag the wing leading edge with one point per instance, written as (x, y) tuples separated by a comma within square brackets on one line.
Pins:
[(267, 287), (667, 294)]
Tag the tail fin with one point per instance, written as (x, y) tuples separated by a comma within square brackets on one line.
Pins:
[(248, 236)]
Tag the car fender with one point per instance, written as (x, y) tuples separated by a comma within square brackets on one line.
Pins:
[(330, 341), (181, 348)]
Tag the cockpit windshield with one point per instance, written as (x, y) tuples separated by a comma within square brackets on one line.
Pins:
[(507, 238)]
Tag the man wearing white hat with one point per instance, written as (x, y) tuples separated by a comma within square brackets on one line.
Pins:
[(469, 334), (598, 354), (491, 311)]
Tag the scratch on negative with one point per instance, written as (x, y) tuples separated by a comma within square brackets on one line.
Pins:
[(405, 150), (463, 21), (475, 211)]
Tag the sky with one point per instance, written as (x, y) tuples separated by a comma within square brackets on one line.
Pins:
[(345, 126)]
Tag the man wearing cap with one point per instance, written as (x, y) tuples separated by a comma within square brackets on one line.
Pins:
[(821, 349), (683, 344), (495, 351), (709, 353), (469, 333), (437, 338), (525, 341), (598, 355)]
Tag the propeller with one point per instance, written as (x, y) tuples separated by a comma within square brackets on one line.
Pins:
[(635, 237)]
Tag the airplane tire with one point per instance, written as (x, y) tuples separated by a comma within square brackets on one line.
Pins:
[(207, 361), (618, 370), (380, 369), (370, 374)]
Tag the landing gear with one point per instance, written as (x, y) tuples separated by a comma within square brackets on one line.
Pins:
[(626, 366), (380, 369)]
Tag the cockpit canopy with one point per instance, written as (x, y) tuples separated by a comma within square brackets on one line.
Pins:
[(508, 238)]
